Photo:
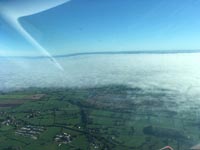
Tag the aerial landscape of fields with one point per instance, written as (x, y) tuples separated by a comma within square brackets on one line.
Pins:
[(110, 117), (99, 75)]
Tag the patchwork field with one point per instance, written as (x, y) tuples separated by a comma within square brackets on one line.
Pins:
[(112, 117)]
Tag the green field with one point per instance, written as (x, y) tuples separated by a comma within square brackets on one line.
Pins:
[(113, 117)]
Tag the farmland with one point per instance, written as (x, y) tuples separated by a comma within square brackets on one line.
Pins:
[(110, 117)]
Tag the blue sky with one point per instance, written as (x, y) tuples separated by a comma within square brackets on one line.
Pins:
[(107, 25)]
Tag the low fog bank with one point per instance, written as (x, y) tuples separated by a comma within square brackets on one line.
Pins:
[(169, 71)]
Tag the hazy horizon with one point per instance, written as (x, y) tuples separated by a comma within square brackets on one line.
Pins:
[(167, 71)]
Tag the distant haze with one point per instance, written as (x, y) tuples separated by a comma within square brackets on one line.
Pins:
[(171, 71)]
